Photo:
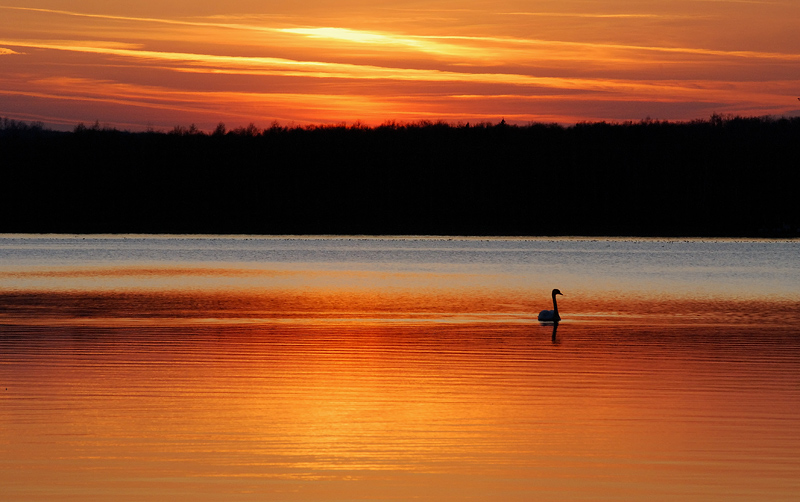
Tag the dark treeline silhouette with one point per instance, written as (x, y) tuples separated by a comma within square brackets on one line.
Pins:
[(727, 176)]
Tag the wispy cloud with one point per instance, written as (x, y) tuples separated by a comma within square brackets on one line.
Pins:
[(428, 43), (216, 105), (237, 65), (399, 62), (416, 43), (245, 65), (166, 21), (471, 48), (589, 15)]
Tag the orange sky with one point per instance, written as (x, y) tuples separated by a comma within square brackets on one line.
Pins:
[(157, 64)]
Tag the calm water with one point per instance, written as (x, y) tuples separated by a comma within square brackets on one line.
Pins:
[(328, 369)]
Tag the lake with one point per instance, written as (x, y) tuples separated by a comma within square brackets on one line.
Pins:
[(341, 369)]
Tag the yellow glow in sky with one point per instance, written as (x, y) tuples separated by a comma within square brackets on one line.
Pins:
[(153, 64)]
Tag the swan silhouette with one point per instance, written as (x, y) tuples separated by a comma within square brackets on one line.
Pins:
[(551, 315)]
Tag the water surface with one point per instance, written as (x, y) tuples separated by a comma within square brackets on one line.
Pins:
[(333, 369)]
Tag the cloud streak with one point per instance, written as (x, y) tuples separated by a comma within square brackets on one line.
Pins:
[(266, 66), (428, 43), (257, 66)]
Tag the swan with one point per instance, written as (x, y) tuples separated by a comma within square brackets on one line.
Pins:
[(551, 315)]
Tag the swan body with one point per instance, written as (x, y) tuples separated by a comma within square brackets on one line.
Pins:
[(551, 315)]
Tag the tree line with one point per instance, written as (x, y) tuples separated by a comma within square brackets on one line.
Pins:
[(725, 176)]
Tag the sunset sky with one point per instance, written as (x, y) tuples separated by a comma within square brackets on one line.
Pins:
[(157, 64)]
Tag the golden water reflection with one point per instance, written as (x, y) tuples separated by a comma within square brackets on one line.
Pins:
[(317, 305), (395, 378), (326, 407)]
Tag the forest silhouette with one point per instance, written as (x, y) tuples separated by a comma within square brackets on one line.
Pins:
[(726, 176)]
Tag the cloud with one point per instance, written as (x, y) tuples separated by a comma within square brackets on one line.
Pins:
[(578, 46), (270, 66), (252, 65), (214, 64), (298, 66), (598, 15), (597, 89), (466, 47)]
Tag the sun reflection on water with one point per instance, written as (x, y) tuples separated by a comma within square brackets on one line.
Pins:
[(443, 407), (337, 378)]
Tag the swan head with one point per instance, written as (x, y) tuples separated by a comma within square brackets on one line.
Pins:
[(557, 292)]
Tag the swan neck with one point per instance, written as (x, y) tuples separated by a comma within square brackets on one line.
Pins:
[(555, 305)]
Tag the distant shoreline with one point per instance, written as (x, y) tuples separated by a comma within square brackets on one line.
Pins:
[(345, 237), (724, 177)]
